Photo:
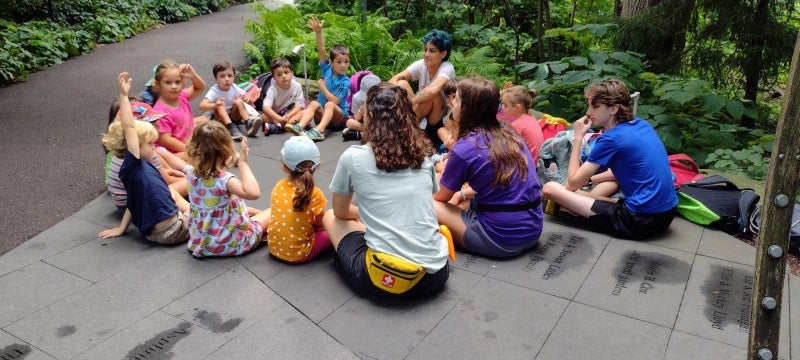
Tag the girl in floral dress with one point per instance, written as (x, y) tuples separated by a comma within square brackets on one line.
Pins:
[(220, 223)]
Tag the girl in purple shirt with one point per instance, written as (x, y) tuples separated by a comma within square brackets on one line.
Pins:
[(505, 216)]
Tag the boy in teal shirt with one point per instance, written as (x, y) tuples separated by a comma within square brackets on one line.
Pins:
[(331, 105)]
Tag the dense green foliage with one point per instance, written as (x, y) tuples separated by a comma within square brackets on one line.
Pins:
[(696, 101), (35, 35), (372, 46)]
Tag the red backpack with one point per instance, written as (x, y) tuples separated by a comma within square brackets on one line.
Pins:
[(552, 125), (684, 169)]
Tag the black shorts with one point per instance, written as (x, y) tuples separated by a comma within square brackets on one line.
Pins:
[(616, 220), (350, 256)]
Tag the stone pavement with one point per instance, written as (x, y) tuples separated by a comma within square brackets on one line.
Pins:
[(66, 294)]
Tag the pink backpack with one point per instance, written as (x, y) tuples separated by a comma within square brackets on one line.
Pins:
[(355, 84)]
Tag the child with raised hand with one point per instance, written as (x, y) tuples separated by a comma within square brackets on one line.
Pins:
[(158, 212), (283, 100), (295, 229), (115, 153), (228, 103), (175, 128), (220, 222), (331, 105)]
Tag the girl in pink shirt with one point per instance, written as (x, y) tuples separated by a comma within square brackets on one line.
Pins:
[(517, 101), (175, 128)]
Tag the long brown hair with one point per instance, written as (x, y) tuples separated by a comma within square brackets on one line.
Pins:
[(480, 99), (211, 149), (397, 141), (304, 184)]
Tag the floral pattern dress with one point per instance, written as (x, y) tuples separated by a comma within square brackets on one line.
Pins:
[(218, 221)]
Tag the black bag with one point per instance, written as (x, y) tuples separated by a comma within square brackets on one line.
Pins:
[(794, 230), (718, 197), (263, 82)]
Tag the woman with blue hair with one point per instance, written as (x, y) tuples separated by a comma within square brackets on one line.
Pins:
[(432, 72)]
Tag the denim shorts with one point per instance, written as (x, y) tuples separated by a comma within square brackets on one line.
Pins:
[(476, 239), (350, 256)]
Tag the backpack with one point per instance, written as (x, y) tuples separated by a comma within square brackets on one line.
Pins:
[(684, 169), (552, 125), (794, 230), (260, 84), (718, 203), (355, 84)]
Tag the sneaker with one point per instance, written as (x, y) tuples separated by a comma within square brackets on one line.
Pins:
[(270, 128), (294, 129), (349, 134), (314, 134), (253, 125), (437, 158), (234, 130), (553, 209)]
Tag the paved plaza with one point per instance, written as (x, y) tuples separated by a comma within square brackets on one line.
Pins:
[(67, 294), (578, 295)]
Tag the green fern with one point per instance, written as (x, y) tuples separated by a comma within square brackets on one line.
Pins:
[(479, 61)]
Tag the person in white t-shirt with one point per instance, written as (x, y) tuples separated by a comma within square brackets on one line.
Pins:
[(432, 72)]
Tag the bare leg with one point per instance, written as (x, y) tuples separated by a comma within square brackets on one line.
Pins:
[(579, 203), (450, 216), (338, 228), (332, 112)]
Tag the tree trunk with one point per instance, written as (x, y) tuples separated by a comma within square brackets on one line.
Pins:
[(782, 179), (540, 30), (633, 7), (617, 8), (549, 25), (752, 64)]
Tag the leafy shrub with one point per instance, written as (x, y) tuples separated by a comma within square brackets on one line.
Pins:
[(35, 45), (171, 11), (371, 45)]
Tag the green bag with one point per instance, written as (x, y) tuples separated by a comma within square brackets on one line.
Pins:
[(718, 203), (694, 211)]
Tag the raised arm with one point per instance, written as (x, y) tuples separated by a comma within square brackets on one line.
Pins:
[(315, 25), (198, 84), (246, 188), (579, 174), (126, 115)]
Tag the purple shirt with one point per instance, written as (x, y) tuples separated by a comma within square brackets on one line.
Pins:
[(469, 162)]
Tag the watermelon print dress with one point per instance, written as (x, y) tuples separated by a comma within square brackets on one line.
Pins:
[(218, 221)]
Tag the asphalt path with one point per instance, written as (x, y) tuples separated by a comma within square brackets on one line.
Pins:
[(50, 152)]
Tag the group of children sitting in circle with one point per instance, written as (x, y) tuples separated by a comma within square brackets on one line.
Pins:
[(413, 205)]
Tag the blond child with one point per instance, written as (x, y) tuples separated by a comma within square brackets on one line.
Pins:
[(227, 103), (295, 228), (158, 212), (114, 157), (175, 128), (331, 105), (516, 103), (284, 99)]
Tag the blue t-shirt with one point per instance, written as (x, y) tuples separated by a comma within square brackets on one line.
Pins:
[(469, 162), (338, 85), (149, 199), (634, 152)]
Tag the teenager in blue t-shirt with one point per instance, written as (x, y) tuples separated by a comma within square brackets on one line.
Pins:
[(632, 150)]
